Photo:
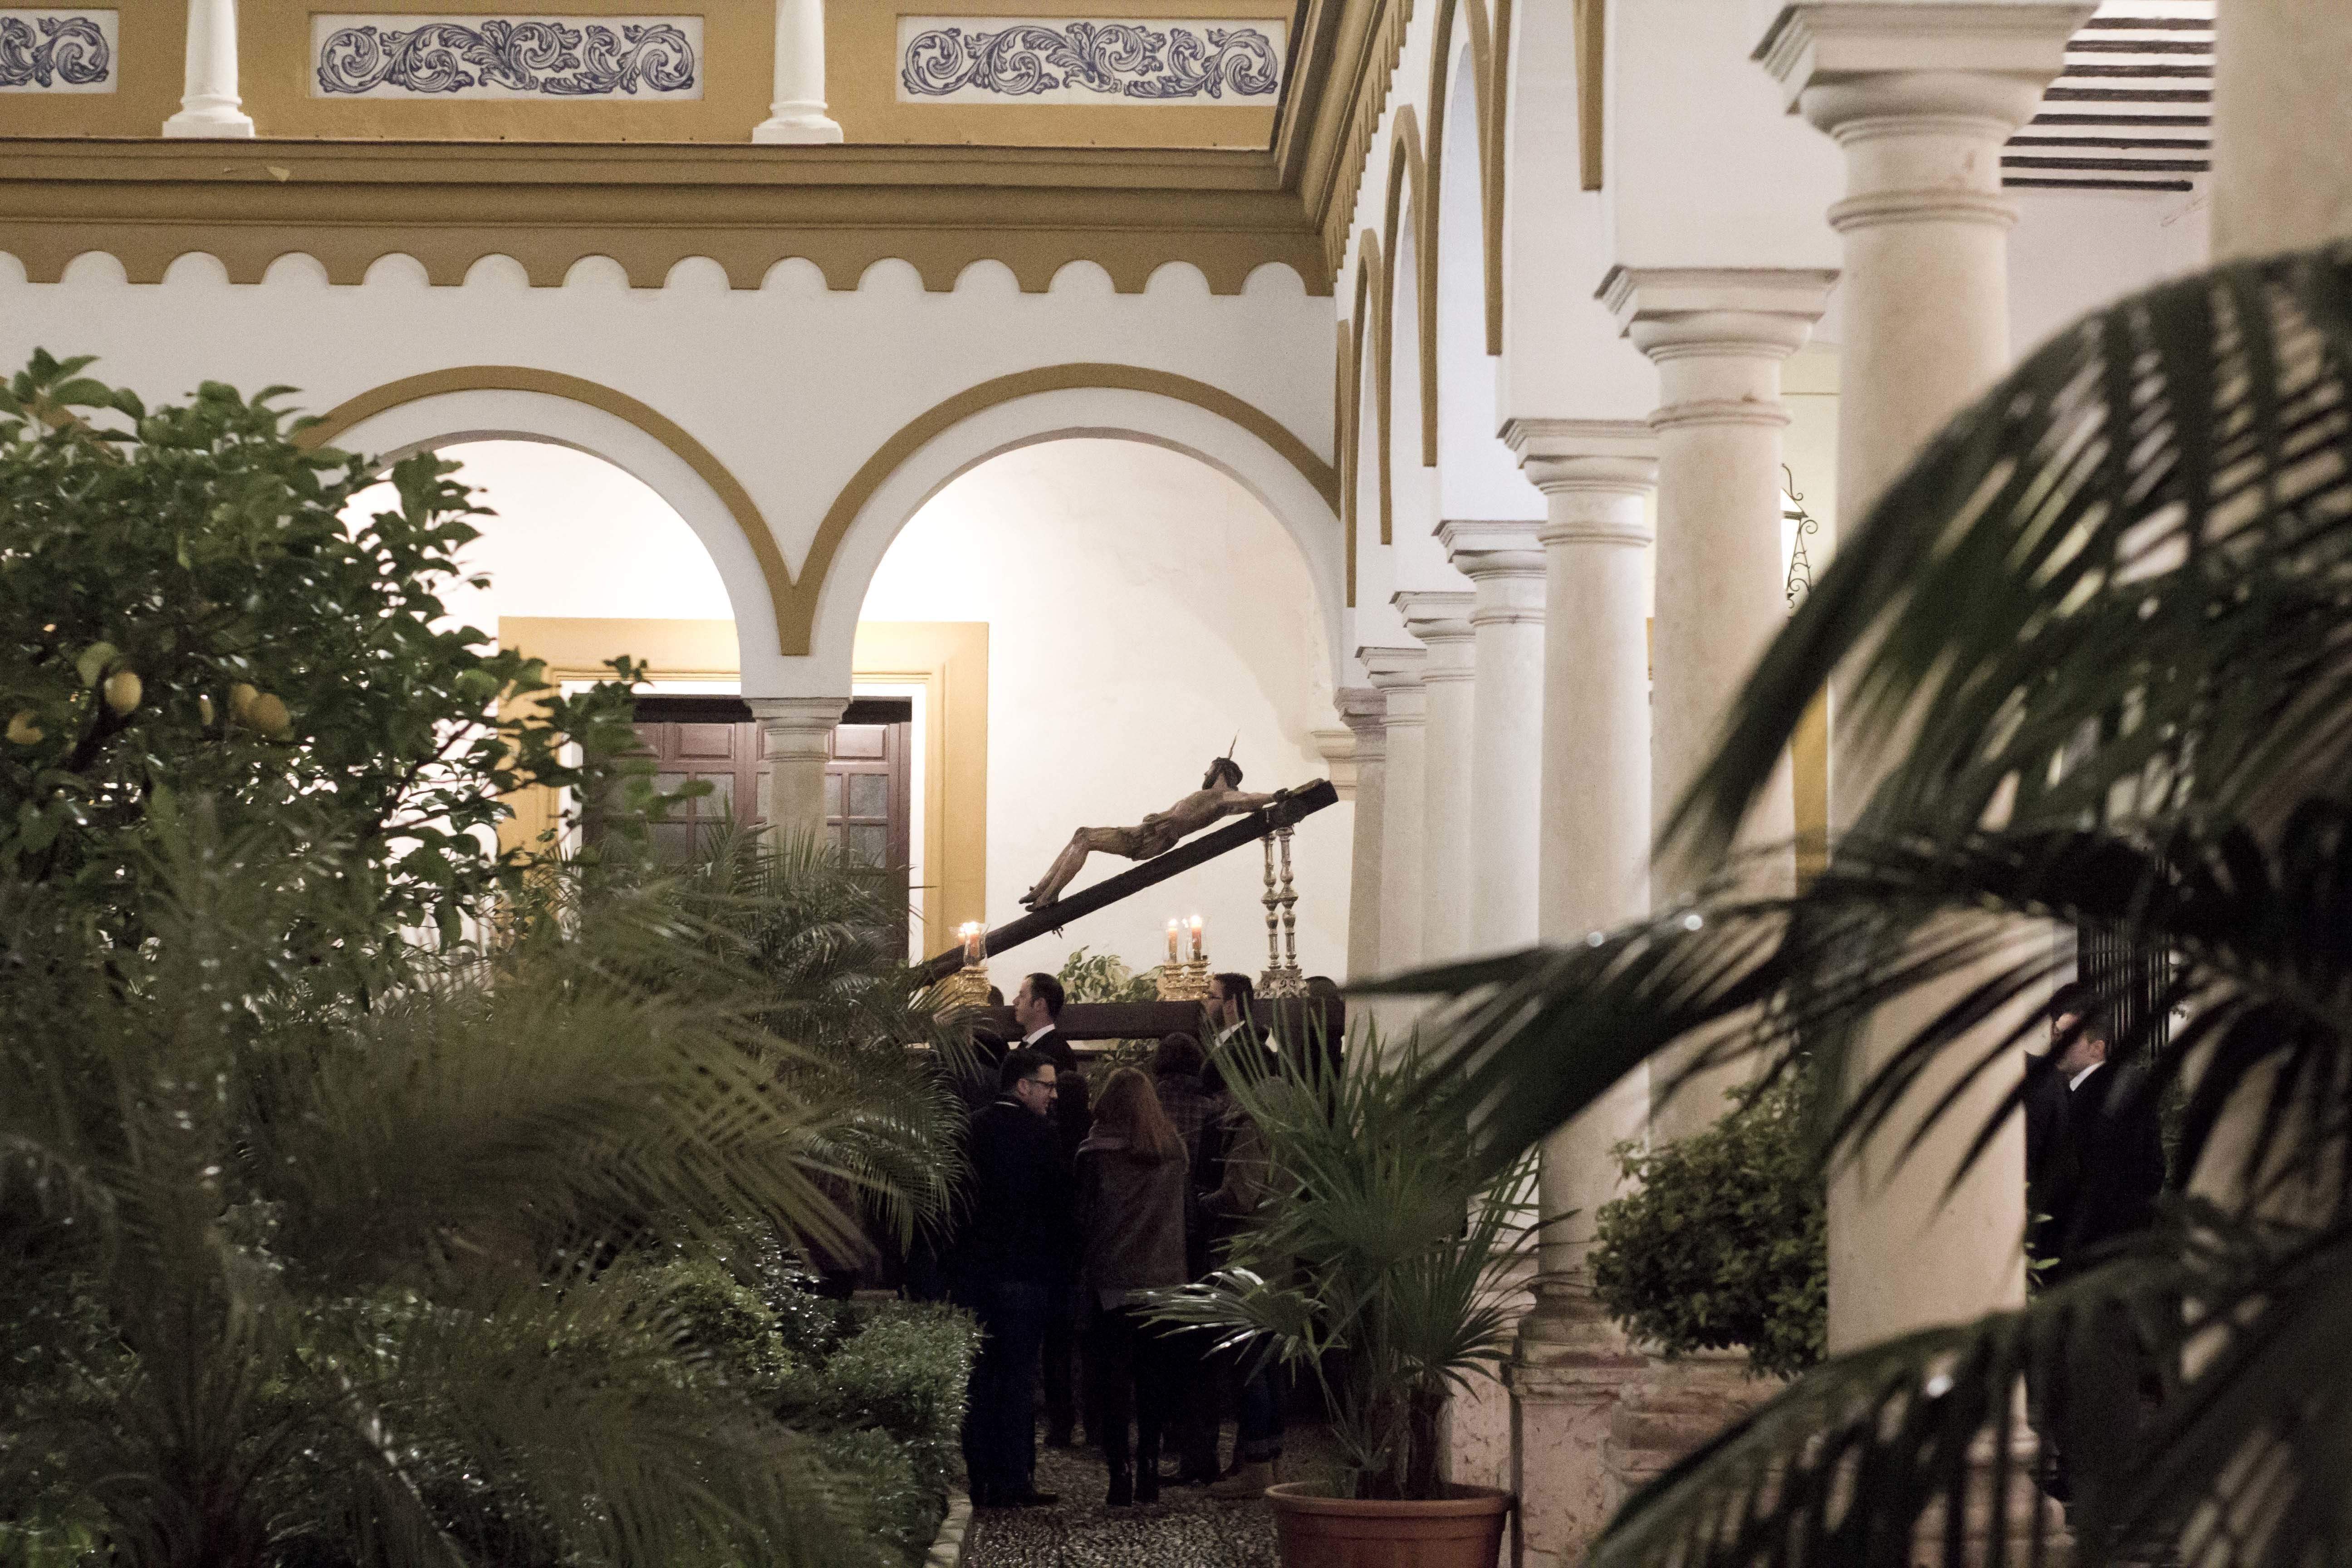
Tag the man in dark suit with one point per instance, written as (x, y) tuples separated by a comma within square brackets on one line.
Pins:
[(2100, 1184), (1017, 1239), (1037, 1010)]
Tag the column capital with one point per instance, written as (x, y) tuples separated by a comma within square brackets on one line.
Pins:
[(797, 726), (1340, 754), (1365, 710), (1676, 312), (1504, 560), (1395, 674), (1440, 618), (1587, 458), (1908, 51)]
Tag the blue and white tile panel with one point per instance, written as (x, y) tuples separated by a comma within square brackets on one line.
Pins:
[(50, 49), (555, 58), (1095, 61)]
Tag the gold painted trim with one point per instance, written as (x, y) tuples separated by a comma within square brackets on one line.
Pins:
[(548, 206), (1591, 38), (621, 406), (1372, 284), (946, 414), (947, 659), (1409, 202)]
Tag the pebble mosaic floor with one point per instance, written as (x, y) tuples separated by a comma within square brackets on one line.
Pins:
[(1184, 1530)]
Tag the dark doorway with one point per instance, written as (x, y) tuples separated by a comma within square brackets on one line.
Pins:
[(868, 806)]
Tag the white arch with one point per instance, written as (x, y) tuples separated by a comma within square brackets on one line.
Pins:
[(1476, 474), (446, 419), (1114, 414)]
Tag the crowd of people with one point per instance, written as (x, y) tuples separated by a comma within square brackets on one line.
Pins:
[(1083, 1197)]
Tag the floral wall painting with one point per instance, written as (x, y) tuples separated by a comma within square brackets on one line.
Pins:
[(522, 56), (1060, 60), (46, 49)]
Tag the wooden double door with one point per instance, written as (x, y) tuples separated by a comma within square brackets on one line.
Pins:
[(868, 806)]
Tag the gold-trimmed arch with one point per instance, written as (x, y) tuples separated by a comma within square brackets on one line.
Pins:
[(951, 412), (1360, 336), (1408, 181), (782, 590), (795, 599)]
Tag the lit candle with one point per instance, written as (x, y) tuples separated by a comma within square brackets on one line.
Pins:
[(974, 952), (1175, 951), (1200, 940)]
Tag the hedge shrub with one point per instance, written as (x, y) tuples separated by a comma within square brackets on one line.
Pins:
[(1723, 1243)]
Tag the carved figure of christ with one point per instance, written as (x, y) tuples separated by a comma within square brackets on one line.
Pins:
[(1218, 797)]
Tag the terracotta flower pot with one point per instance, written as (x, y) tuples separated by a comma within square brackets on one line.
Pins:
[(1463, 1530)]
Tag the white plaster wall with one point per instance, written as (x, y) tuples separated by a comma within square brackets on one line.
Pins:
[(2073, 251), (573, 536), (1708, 167), (1142, 609), (790, 387)]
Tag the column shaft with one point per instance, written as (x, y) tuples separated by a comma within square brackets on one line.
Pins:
[(798, 114), (209, 104), (798, 732), (2281, 122), (1718, 337), (1365, 710), (1921, 99), (1441, 620), (1504, 565), (1395, 673), (1592, 867)]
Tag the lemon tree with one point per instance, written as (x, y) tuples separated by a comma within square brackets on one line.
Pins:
[(186, 616)]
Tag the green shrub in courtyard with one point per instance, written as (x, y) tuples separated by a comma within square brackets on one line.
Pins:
[(1723, 1242)]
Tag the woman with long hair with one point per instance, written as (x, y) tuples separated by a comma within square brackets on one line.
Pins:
[(1133, 1180)]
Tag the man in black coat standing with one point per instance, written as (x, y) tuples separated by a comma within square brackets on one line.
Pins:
[(1018, 1237), (1036, 1013), (2099, 1175)]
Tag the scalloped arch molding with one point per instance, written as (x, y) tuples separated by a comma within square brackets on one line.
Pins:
[(795, 599)]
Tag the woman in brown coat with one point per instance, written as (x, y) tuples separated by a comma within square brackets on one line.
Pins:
[(1132, 1188)]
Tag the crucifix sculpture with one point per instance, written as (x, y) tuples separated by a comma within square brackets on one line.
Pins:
[(1219, 796)]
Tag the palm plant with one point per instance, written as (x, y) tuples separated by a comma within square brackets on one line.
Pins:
[(2096, 645), (304, 1272), (1376, 1263)]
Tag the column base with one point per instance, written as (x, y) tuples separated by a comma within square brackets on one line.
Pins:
[(209, 124), (1572, 1368), (1677, 1403), (797, 124)]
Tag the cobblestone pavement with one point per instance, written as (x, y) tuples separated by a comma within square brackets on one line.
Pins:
[(1184, 1530)]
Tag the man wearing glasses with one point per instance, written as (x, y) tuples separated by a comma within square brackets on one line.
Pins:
[(1019, 1229)]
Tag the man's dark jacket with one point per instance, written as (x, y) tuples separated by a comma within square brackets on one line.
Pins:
[(2115, 1171), (1019, 1230), (1073, 1116)]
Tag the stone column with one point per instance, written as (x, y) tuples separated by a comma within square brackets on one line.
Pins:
[(1573, 1365), (798, 732), (2281, 122), (798, 115), (1921, 99), (209, 106), (1441, 620), (1395, 674), (1719, 336), (1505, 564), (1365, 710)]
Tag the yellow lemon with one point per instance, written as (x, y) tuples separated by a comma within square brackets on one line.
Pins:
[(240, 701), (23, 730), (123, 691), (203, 708), (268, 714)]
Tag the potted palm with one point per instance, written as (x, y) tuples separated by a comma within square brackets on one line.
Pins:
[(1391, 1277)]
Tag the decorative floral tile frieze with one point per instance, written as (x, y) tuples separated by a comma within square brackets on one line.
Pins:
[(48, 51), (1059, 59), (618, 58)]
